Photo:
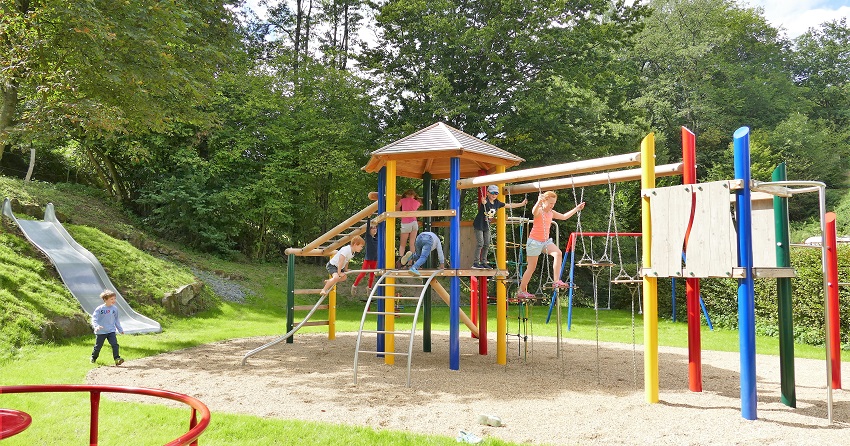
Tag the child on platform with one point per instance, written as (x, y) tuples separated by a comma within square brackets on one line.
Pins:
[(539, 241), (105, 322), (338, 264), (370, 260), (487, 208), (410, 201), (425, 243)]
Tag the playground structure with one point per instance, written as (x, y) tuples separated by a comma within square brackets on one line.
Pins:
[(709, 242), (79, 269), (442, 152), (13, 422), (687, 232)]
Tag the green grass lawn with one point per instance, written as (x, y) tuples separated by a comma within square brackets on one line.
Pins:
[(62, 418)]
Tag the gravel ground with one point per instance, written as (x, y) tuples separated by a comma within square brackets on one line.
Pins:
[(589, 395), (227, 289)]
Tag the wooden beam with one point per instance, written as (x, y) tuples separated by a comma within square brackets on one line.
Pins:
[(593, 179), (431, 213), (445, 296), (368, 210), (305, 253), (557, 170), (343, 241)]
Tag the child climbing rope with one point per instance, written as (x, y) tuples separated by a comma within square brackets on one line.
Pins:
[(539, 241)]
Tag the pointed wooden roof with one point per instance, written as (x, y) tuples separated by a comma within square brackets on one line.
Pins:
[(431, 150)]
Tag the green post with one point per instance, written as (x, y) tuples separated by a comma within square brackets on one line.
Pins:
[(783, 290), (426, 226), (290, 296)]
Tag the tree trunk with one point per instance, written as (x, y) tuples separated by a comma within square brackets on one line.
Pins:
[(307, 27), (96, 167), (343, 58), (297, 43), (117, 187), (31, 166), (9, 90)]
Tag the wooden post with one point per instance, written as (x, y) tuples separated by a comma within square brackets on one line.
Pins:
[(650, 284), (290, 296), (689, 176), (389, 322)]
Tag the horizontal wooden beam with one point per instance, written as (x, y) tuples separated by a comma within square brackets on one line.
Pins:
[(431, 213), (305, 253), (619, 176), (557, 170)]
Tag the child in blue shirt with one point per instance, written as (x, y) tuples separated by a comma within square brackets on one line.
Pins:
[(105, 322)]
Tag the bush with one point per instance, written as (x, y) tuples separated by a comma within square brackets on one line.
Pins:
[(721, 299)]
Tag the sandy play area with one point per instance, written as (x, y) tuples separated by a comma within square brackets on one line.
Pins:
[(541, 399)]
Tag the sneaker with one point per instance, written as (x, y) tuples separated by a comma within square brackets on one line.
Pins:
[(477, 265), (93, 360), (488, 265), (119, 361), (468, 437), (353, 289), (560, 284), (406, 257), (489, 420), (524, 295), (414, 271)]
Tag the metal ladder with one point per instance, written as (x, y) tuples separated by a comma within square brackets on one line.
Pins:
[(373, 296), (306, 322)]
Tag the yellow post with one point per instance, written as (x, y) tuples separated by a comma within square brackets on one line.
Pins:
[(501, 292), (332, 314), (389, 290), (650, 284)]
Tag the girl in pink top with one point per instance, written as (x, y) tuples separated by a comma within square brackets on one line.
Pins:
[(539, 241), (409, 226)]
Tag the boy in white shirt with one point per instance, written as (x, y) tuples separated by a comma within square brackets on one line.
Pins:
[(338, 264)]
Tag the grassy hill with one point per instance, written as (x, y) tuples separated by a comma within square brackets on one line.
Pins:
[(38, 308)]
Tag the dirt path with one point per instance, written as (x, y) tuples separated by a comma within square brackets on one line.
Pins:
[(575, 399)]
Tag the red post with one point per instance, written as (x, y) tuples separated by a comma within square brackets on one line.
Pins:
[(832, 300), (193, 421), (689, 176), (473, 301), (482, 312), (94, 397)]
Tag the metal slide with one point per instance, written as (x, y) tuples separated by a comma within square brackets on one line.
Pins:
[(80, 270)]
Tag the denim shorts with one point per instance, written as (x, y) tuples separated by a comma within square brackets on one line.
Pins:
[(533, 248), (409, 227), (331, 268)]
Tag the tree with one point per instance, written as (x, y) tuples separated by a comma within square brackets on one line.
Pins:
[(343, 19), (469, 63), (712, 66), (822, 67), (93, 70)]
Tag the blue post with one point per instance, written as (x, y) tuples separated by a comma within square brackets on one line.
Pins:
[(572, 286), (555, 291), (746, 286), (705, 312), (454, 300), (673, 299), (382, 249)]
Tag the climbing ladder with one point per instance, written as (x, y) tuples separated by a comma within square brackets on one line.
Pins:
[(381, 284)]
